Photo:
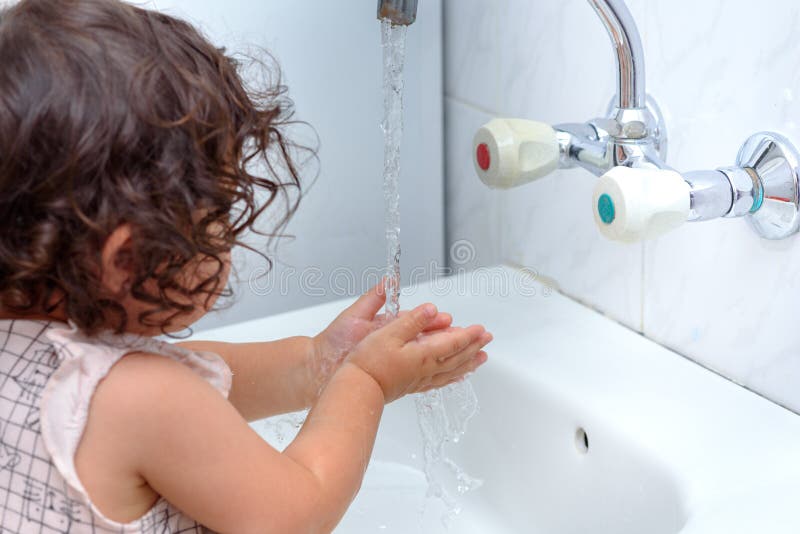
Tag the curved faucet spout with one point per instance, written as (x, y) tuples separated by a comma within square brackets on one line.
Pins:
[(628, 50)]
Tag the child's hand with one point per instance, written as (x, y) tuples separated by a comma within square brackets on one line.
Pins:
[(402, 361), (353, 325)]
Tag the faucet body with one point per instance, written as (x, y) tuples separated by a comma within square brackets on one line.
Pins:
[(628, 138), (632, 134), (399, 12), (638, 196)]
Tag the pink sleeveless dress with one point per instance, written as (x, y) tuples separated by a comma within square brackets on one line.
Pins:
[(48, 373)]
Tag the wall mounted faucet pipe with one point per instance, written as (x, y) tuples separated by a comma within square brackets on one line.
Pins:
[(628, 51), (399, 12), (638, 196)]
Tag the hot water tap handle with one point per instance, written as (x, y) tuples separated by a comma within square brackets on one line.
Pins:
[(632, 204), (512, 152)]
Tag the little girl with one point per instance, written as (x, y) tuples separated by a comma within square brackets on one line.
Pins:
[(128, 145)]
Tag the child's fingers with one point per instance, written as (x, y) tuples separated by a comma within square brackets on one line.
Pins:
[(369, 303), (441, 321), (457, 360), (413, 323), (428, 332), (457, 374), (441, 345)]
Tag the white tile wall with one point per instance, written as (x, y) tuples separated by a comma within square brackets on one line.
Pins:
[(720, 70), (474, 213)]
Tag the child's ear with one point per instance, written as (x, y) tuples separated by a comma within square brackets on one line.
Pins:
[(117, 261)]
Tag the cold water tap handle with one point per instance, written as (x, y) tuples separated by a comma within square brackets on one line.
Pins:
[(632, 204), (512, 152)]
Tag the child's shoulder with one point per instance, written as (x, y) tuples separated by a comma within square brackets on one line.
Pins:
[(168, 429), (142, 389), (147, 378), (147, 408)]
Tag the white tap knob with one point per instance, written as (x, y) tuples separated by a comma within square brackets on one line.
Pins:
[(634, 204), (511, 152)]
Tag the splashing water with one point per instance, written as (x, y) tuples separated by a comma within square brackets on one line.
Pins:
[(443, 414)]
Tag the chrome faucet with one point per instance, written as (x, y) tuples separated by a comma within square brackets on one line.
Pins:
[(628, 49), (399, 12), (632, 133), (638, 195)]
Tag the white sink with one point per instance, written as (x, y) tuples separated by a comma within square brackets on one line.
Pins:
[(672, 447)]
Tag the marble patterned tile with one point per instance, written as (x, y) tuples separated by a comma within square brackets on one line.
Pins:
[(548, 227), (718, 294), (472, 55), (557, 62), (714, 291), (473, 210)]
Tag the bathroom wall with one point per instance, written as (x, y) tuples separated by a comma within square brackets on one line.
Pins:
[(720, 70), (331, 60)]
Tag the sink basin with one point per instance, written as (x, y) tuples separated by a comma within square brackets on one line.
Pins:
[(584, 426)]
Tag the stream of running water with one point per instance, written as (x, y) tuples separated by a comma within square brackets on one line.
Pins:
[(443, 413)]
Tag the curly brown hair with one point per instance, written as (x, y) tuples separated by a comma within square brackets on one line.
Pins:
[(109, 115)]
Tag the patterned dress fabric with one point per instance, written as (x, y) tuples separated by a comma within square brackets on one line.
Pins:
[(48, 373)]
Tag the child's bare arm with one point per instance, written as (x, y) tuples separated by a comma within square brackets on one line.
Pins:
[(269, 377), (193, 448), (287, 375)]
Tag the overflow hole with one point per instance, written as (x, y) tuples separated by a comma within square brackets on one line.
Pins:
[(581, 441)]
